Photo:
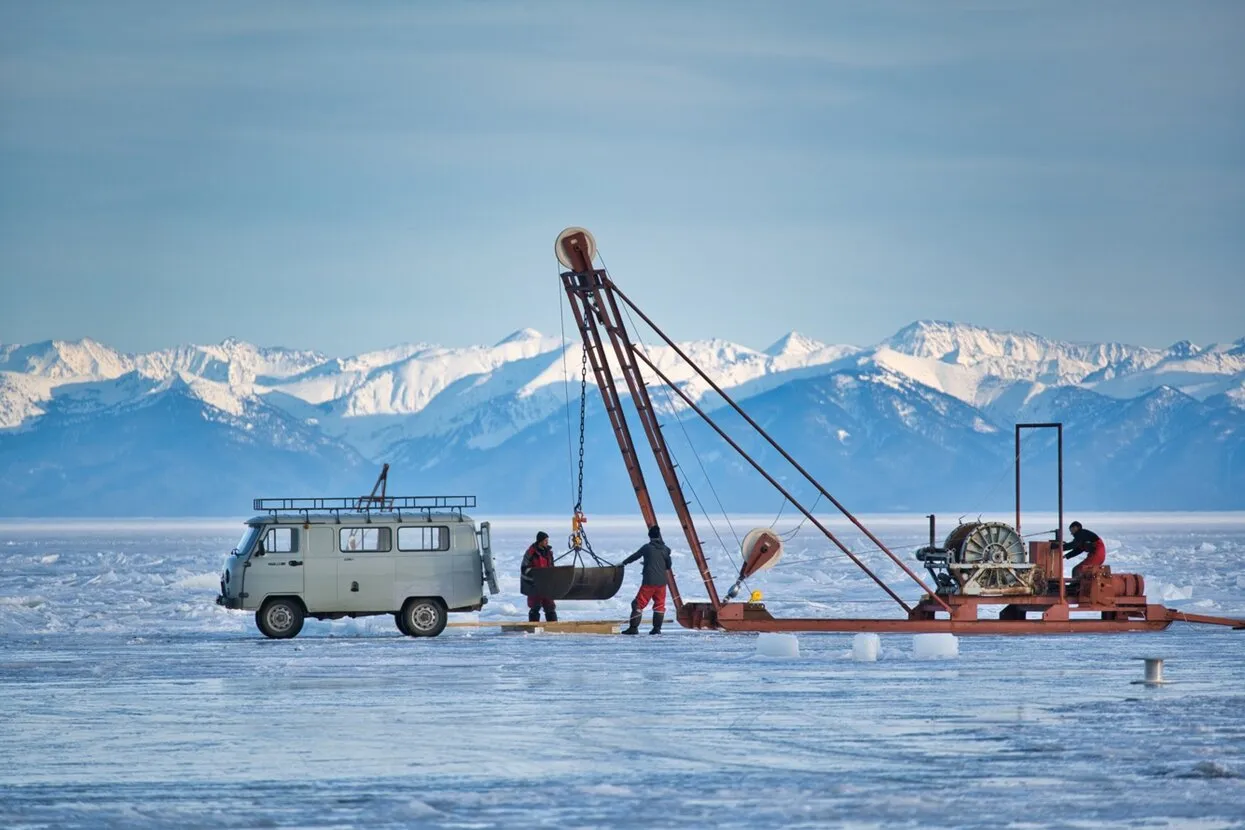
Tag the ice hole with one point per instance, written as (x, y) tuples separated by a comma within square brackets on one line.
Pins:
[(778, 645), (935, 646), (866, 647)]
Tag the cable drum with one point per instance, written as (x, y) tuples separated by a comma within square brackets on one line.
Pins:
[(989, 559), (993, 543)]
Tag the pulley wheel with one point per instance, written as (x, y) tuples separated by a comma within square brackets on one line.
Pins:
[(563, 257)]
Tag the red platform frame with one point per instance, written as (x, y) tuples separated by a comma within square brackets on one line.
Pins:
[(596, 303)]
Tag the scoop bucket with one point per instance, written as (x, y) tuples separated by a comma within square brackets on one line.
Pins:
[(574, 582)]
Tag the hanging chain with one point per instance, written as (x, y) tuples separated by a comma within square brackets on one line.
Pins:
[(583, 400)]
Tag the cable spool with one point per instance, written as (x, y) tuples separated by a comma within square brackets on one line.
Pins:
[(986, 543), (989, 559)]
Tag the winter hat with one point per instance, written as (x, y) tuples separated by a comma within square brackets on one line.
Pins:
[(542, 536), (654, 532)]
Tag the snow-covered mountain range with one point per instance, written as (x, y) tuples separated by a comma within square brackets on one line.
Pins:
[(920, 421)]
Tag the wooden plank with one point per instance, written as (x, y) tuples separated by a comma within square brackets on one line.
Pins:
[(561, 627), (495, 623)]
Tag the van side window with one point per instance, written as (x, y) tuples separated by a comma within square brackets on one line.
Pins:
[(425, 537), (281, 540), (364, 539)]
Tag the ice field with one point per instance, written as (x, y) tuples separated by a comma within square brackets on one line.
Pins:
[(129, 699)]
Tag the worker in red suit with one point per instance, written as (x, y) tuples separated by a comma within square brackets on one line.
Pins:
[(1085, 541), (538, 555), (656, 558)]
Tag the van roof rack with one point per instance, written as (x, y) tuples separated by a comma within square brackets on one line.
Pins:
[(337, 505)]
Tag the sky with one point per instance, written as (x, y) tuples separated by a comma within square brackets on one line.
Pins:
[(346, 176)]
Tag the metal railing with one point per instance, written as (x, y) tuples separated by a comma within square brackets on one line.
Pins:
[(336, 505)]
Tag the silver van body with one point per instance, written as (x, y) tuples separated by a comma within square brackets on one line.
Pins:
[(352, 563)]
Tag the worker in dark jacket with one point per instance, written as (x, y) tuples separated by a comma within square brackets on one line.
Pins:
[(539, 555), (1085, 541), (656, 558)]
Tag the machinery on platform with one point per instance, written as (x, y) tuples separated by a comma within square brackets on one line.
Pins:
[(983, 559), (979, 563)]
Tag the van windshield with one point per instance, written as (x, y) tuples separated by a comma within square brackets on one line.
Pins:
[(248, 538)]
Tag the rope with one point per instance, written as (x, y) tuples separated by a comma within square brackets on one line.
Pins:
[(778, 515), (686, 436), (995, 487), (699, 462), (788, 536), (876, 549)]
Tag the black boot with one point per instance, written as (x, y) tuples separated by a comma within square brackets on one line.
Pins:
[(551, 615), (533, 615), (635, 621), (658, 618)]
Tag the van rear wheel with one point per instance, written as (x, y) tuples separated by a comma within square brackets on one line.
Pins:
[(397, 618), (424, 617), (279, 618)]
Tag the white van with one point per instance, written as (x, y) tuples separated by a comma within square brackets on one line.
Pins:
[(415, 557)]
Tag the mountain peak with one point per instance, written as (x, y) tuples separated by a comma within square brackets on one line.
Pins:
[(1184, 348), (794, 343), (520, 336)]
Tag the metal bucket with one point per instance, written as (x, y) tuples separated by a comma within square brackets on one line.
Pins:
[(572, 582)]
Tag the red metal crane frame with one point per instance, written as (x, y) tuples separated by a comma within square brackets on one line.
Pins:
[(595, 304)]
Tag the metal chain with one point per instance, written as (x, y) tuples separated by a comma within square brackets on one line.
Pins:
[(583, 400)]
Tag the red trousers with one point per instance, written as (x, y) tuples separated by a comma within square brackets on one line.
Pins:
[(1093, 561), (655, 593), (542, 602)]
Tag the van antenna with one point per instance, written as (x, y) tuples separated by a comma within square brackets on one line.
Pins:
[(382, 483)]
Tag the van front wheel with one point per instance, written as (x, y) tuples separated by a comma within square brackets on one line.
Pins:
[(424, 617), (279, 618)]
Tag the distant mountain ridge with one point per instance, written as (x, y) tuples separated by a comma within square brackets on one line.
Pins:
[(925, 413)]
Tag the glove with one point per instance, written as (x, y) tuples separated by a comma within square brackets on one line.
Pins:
[(1070, 555)]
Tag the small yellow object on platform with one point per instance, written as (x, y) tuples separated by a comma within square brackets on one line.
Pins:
[(757, 596)]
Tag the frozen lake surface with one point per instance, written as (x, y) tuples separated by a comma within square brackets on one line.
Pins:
[(128, 699)]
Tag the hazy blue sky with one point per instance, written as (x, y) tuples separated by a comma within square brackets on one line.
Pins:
[(350, 175)]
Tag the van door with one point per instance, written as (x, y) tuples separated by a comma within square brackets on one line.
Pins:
[(276, 568), (365, 570), (422, 562), (320, 570)]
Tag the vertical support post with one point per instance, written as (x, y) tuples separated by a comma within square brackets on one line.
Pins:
[(1058, 427), (1059, 532), (1018, 478)]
